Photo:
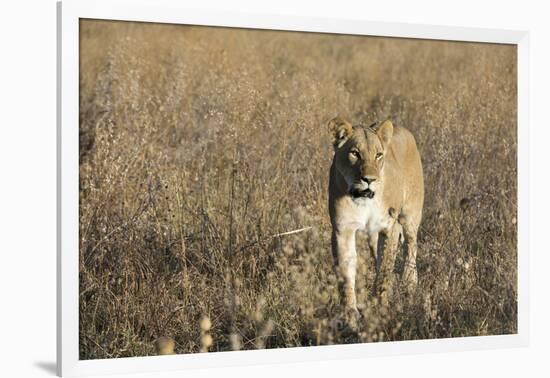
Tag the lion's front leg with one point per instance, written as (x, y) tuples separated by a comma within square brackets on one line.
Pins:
[(373, 249), (410, 275), (343, 250), (387, 251)]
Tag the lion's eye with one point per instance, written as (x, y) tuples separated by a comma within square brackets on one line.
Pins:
[(355, 153), (379, 155)]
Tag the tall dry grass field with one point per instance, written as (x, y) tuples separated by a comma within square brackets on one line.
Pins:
[(200, 146)]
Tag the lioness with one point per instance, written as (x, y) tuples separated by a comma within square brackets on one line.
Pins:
[(376, 184)]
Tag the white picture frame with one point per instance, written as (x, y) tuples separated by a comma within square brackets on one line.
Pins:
[(170, 11)]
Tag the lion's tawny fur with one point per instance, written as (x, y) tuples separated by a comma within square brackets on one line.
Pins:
[(376, 184)]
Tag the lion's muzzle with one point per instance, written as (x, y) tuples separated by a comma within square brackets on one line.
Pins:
[(366, 193)]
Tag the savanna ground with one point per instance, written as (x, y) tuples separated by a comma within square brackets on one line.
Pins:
[(199, 145)]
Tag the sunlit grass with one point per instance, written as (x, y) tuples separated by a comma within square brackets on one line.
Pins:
[(201, 146)]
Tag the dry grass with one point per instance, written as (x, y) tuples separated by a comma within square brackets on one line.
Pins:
[(200, 144)]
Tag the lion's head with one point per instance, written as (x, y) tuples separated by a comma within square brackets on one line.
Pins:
[(359, 154)]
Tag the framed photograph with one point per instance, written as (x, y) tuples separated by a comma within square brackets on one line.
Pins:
[(238, 189)]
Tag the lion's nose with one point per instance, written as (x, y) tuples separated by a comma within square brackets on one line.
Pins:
[(368, 179)]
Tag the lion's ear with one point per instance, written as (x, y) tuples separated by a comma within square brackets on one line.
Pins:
[(340, 130), (384, 131)]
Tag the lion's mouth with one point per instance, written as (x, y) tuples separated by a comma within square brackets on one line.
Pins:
[(356, 193)]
